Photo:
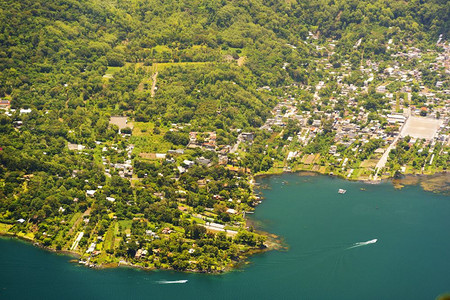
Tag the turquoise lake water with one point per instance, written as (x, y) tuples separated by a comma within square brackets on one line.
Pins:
[(327, 258)]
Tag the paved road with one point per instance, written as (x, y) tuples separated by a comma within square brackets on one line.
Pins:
[(236, 146), (382, 162)]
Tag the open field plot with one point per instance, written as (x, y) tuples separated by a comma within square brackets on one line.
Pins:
[(162, 66), (111, 71), (421, 128), (146, 155), (121, 122), (125, 226), (75, 221), (109, 237), (308, 159), (361, 174), (322, 169), (145, 141), (369, 163)]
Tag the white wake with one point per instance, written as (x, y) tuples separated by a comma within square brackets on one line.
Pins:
[(171, 281), (363, 244)]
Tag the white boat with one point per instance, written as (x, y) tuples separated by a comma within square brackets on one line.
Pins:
[(342, 191)]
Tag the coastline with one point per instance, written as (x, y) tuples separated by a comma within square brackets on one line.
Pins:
[(34, 243), (306, 247), (437, 183), (234, 265), (405, 179)]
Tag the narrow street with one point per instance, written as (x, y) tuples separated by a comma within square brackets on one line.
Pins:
[(154, 76)]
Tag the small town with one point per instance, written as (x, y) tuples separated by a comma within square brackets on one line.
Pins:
[(378, 121), (191, 136)]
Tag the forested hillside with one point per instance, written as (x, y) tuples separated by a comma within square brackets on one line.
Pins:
[(46, 44), (192, 81)]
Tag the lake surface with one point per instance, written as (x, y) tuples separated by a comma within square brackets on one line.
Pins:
[(327, 257)]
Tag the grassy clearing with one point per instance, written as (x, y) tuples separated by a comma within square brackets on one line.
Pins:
[(272, 137), (113, 70), (109, 237), (369, 163), (125, 226), (97, 155), (75, 218), (27, 235), (198, 220), (278, 164), (116, 229), (5, 227), (308, 159), (162, 48), (110, 73), (145, 140), (161, 66), (117, 237), (316, 158)]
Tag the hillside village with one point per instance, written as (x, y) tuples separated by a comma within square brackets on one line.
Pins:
[(404, 130), (420, 116), (368, 110)]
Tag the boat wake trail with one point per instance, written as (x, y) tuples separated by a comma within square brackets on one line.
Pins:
[(171, 281), (360, 244)]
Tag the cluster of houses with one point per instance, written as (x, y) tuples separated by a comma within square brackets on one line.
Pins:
[(125, 168), (354, 124), (205, 140)]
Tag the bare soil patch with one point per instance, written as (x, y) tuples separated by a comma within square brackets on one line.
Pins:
[(421, 128)]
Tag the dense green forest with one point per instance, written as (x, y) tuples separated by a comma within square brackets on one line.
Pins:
[(172, 67)]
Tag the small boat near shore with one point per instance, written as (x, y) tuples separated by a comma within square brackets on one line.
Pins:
[(342, 191)]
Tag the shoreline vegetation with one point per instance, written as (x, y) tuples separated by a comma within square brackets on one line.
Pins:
[(273, 243), (437, 183)]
